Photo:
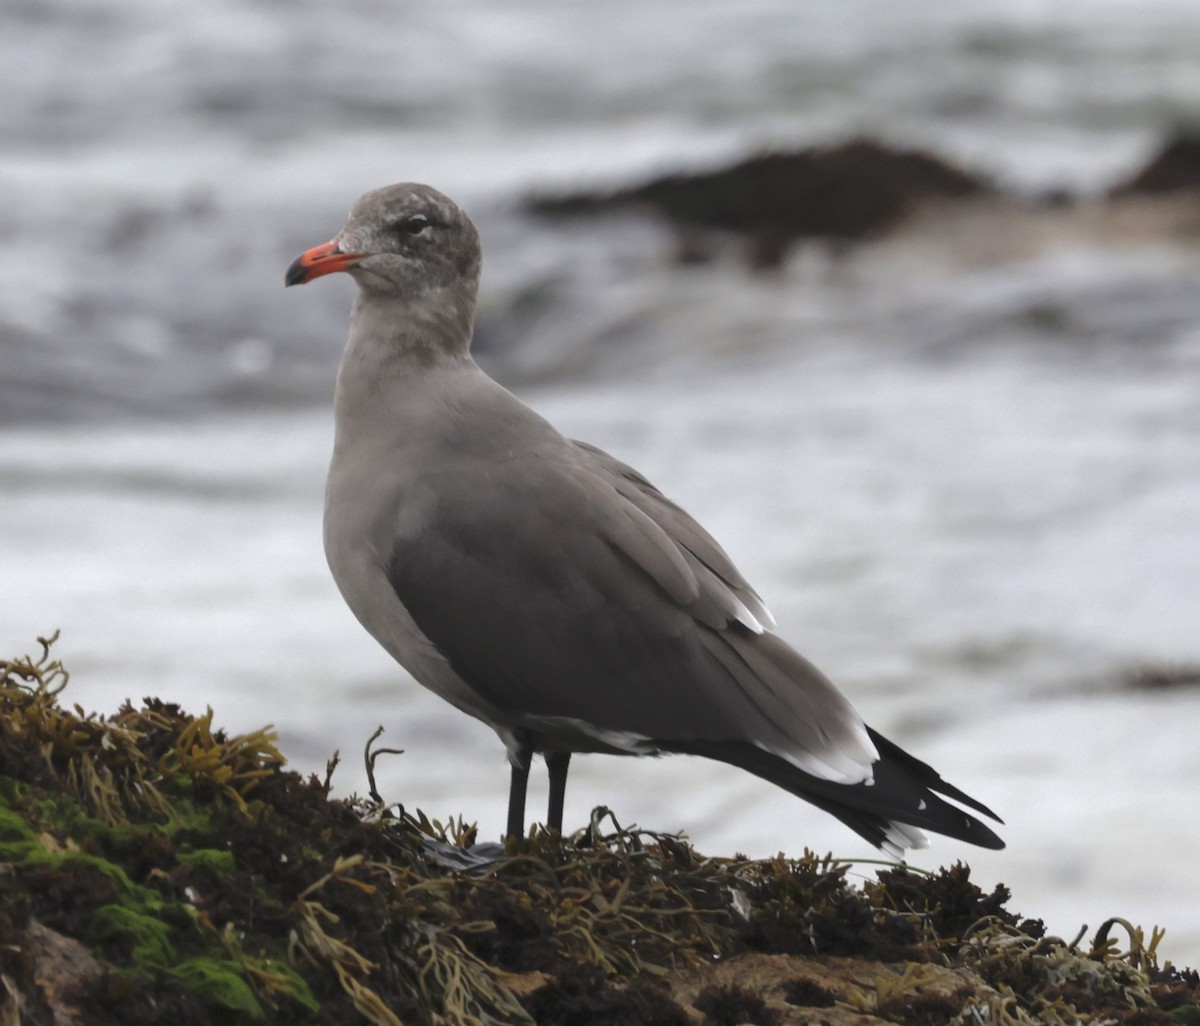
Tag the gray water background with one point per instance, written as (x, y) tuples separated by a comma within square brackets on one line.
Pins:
[(968, 488)]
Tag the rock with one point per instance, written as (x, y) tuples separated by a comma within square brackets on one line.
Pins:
[(155, 870), (846, 193), (54, 977), (1175, 167)]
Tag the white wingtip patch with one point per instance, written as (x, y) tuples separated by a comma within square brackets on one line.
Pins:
[(748, 619), (900, 836), (754, 614)]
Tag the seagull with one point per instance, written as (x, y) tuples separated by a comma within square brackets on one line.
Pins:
[(546, 588)]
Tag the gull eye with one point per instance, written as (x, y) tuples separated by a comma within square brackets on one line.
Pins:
[(415, 224)]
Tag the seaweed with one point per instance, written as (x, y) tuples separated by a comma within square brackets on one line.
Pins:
[(585, 996), (154, 868), (731, 1004), (808, 993)]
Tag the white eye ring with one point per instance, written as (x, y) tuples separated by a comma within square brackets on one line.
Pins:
[(415, 224)]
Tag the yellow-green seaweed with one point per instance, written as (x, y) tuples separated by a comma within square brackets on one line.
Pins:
[(204, 876)]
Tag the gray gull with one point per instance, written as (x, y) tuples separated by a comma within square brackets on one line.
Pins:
[(546, 588)]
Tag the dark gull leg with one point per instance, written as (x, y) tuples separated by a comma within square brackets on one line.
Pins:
[(520, 760), (556, 764)]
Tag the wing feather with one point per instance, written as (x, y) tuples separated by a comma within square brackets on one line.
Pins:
[(728, 586), (572, 590)]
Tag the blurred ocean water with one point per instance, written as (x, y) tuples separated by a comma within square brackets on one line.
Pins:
[(969, 489)]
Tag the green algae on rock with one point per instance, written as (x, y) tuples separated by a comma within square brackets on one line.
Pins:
[(154, 869)]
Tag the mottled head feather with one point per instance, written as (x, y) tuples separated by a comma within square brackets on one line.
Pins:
[(418, 241)]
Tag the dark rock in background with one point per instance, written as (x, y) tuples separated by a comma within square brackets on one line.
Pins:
[(1176, 166), (848, 192)]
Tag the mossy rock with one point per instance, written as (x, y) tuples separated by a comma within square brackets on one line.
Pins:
[(154, 869)]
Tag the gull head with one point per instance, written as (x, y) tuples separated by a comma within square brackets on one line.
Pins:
[(403, 241)]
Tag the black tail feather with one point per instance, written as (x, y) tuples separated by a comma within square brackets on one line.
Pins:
[(904, 790), (890, 752)]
